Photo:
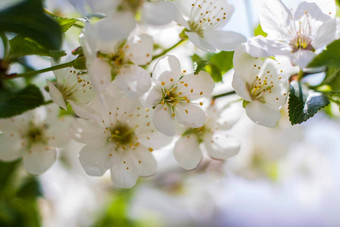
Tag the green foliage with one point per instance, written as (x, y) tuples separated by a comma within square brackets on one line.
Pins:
[(329, 57), (304, 104), (65, 23), (20, 46), (18, 197), (12, 104), (28, 19), (215, 64), (258, 31), (116, 214)]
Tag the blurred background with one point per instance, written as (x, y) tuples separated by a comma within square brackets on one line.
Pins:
[(285, 176)]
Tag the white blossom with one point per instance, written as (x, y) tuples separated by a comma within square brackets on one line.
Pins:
[(204, 20), (119, 136), (212, 136), (113, 54), (71, 85), (296, 33), (261, 83), (173, 96), (34, 136), (156, 12)]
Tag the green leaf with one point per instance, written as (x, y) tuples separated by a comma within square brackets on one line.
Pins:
[(215, 64), (258, 31), (20, 46), (65, 23), (28, 19), (303, 103), (332, 78), (199, 66), (329, 57), (12, 104)]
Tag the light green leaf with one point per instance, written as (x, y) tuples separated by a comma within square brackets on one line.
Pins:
[(258, 31), (12, 104), (303, 103), (65, 23), (329, 57), (20, 46), (28, 19)]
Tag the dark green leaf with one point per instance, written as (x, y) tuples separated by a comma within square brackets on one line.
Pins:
[(20, 46), (28, 19), (304, 104), (214, 72), (30, 189), (329, 57), (332, 78), (12, 104), (65, 23), (258, 31)]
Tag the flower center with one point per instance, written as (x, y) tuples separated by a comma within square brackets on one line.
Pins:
[(36, 134), (198, 132), (302, 37), (171, 98), (260, 87), (115, 60), (122, 135), (206, 15), (130, 5)]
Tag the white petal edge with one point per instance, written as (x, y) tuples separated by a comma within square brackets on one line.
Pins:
[(187, 152)]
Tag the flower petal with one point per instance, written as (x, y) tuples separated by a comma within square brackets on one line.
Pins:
[(159, 13), (187, 152), (240, 87), (224, 40), (134, 79), (325, 34), (166, 68), (221, 146), (246, 66), (115, 27), (275, 18), (58, 132), (145, 162), (100, 74), (259, 46), (263, 114), (200, 42), (196, 86), (327, 7), (190, 115), (94, 160), (163, 120), (56, 95), (124, 173), (138, 49), (302, 58), (11, 147), (88, 132), (39, 158)]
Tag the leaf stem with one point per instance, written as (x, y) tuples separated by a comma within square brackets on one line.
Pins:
[(181, 41), (33, 73), (223, 95)]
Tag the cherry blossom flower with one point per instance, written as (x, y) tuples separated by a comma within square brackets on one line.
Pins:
[(297, 33), (212, 136), (204, 20), (34, 136), (172, 96), (71, 85), (261, 83), (156, 12), (112, 55), (119, 136)]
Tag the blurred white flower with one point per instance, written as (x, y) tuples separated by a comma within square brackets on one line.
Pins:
[(204, 20), (156, 12), (119, 136), (34, 136), (71, 85), (297, 34), (261, 83), (112, 55), (173, 93), (212, 135)]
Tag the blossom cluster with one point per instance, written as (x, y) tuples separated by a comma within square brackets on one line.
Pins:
[(129, 102)]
